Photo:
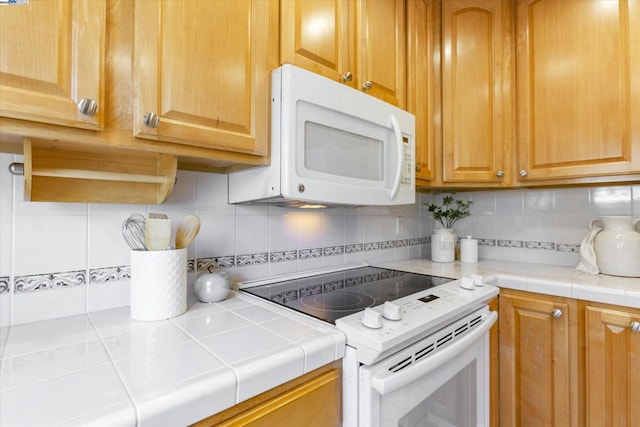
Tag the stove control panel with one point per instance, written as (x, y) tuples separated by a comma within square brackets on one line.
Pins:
[(376, 331)]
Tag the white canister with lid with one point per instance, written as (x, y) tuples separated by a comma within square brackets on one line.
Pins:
[(468, 249)]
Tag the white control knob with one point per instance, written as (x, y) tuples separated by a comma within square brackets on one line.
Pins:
[(467, 283), (478, 280), (391, 311), (372, 319)]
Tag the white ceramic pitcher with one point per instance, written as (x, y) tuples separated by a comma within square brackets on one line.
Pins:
[(617, 246)]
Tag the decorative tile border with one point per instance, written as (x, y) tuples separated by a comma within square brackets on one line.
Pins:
[(109, 274), (388, 244), (547, 246), (567, 247), (351, 249), (528, 244), (252, 259), (210, 264), (513, 244), (310, 253), (333, 250), (486, 242), (283, 256), (371, 246), (39, 282)]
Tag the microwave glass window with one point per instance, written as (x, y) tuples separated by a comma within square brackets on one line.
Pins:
[(337, 152)]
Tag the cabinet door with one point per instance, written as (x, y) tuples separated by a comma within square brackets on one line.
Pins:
[(316, 402), (203, 68), (578, 88), (420, 79), (380, 47), (476, 92), (52, 57), (316, 35), (612, 367), (538, 370)]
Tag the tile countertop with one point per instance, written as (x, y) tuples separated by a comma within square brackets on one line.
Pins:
[(545, 279), (104, 368)]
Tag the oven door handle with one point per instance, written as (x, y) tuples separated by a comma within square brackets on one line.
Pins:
[(390, 381)]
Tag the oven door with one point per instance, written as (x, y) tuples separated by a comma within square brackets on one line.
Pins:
[(443, 380)]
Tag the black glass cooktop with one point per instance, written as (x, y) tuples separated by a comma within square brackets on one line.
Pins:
[(334, 295)]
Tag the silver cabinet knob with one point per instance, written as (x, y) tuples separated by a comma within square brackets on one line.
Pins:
[(500, 174), (88, 107), (347, 77), (635, 327), (151, 120), (367, 85), (556, 313), (523, 173), (418, 168)]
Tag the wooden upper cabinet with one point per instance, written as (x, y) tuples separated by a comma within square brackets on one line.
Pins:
[(316, 35), (578, 89), (420, 81), (361, 43), (380, 48), (538, 360), (612, 367), (203, 68), (477, 110), (51, 59)]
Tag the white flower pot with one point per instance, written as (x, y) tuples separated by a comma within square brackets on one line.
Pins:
[(443, 245)]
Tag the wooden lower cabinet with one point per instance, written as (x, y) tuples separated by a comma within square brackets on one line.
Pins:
[(566, 362), (538, 360), (612, 362), (315, 399)]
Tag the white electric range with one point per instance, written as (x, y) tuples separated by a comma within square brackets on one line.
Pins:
[(417, 345)]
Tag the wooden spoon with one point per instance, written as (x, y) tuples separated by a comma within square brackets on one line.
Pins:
[(187, 231)]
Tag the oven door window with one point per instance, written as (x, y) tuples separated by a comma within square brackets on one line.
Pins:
[(443, 407), (456, 394)]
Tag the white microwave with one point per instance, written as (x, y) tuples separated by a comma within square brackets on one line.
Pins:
[(331, 145)]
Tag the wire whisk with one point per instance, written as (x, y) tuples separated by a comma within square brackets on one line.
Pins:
[(133, 231)]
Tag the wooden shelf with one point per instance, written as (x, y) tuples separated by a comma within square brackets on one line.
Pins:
[(59, 172)]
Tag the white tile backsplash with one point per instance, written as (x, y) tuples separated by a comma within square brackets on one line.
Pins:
[(55, 241), (50, 243), (611, 201)]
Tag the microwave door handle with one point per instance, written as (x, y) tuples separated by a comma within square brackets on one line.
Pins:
[(400, 157), (391, 381)]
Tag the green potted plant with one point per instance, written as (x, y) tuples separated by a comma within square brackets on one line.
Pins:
[(443, 240), (450, 212)]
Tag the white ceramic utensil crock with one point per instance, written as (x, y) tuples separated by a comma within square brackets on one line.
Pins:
[(443, 245)]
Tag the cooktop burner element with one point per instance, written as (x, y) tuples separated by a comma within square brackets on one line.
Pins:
[(338, 294)]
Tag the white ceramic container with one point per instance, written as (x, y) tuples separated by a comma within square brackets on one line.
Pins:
[(158, 284), (617, 246), (443, 245), (469, 250)]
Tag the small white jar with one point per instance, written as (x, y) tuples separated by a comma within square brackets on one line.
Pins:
[(468, 250)]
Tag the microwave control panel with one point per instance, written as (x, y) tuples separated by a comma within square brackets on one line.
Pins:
[(407, 170)]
